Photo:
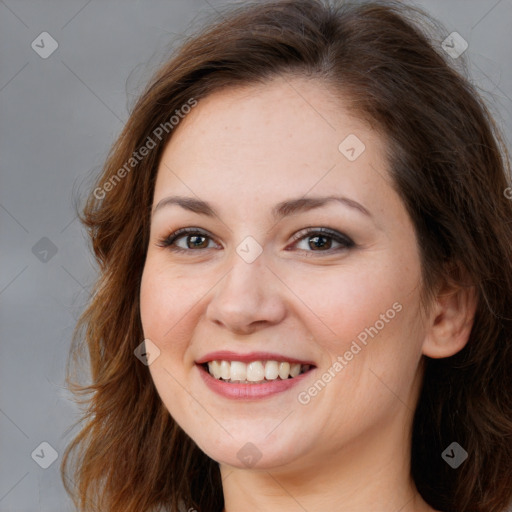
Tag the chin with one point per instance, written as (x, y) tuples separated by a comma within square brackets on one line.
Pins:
[(255, 451)]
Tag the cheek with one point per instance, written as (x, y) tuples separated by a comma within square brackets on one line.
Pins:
[(367, 314), (165, 305), (166, 309), (167, 298), (341, 301), (369, 329)]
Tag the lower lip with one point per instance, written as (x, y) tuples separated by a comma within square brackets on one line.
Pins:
[(250, 391)]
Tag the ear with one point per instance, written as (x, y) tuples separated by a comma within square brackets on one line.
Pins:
[(450, 320)]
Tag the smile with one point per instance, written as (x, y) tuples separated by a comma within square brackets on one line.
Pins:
[(254, 372), (252, 376)]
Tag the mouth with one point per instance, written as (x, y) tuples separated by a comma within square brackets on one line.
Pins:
[(254, 372), (253, 376)]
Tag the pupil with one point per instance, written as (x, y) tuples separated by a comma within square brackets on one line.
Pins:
[(318, 241), (194, 239)]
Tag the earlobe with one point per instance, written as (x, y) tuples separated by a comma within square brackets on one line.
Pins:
[(450, 321)]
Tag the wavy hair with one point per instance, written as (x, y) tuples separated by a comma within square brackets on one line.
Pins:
[(450, 167)]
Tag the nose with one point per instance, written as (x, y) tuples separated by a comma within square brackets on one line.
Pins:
[(248, 298)]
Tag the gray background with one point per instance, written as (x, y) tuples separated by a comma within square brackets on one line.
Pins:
[(58, 118)]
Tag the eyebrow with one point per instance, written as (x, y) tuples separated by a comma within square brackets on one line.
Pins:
[(280, 210)]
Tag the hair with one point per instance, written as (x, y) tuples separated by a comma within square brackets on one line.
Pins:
[(450, 166)]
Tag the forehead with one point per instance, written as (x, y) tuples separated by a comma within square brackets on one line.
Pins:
[(288, 137)]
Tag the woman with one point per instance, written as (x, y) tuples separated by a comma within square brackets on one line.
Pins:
[(305, 279)]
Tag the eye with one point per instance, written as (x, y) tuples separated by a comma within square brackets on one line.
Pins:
[(186, 239), (322, 240), (313, 240)]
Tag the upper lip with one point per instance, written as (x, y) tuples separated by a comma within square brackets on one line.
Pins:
[(227, 355)]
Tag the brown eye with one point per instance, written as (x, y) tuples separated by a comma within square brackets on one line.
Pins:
[(187, 239), (194, 241), (322, 240)]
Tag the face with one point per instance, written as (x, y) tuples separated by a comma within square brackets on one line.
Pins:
[(270, 270)]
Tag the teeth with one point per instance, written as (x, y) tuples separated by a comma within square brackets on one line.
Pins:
[(294, 370), (238, 370), (225, 370), (214, 368), (284, 370), (255, 371), (271, 370)]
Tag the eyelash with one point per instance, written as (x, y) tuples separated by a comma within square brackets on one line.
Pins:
[(345, 241)]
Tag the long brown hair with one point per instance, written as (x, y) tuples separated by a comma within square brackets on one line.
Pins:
[(449, 165)]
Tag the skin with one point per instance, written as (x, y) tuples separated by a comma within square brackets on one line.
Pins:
[(244, 150)]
